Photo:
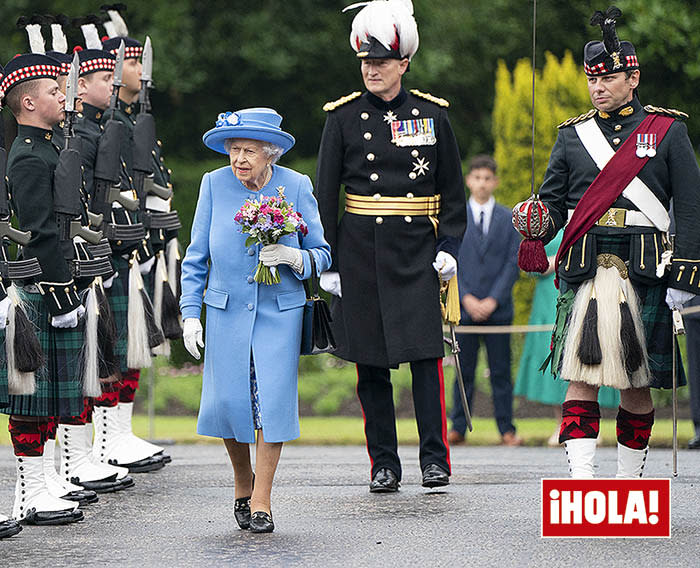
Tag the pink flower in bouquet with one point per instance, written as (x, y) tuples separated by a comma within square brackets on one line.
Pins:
[(266, 221)]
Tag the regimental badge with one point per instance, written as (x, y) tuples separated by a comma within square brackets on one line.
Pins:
[(646, 145), (616, 60), (418, 132)]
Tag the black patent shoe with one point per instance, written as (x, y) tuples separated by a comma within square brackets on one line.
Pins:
[(261, 522), (384, 481), (241, 511), (82, 497), (9, 528), (52, 518), (435, 476), (694, 444)]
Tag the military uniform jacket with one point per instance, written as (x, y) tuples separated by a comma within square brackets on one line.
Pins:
[(89, 129), (30, 169), (672, 174), (389, 311)]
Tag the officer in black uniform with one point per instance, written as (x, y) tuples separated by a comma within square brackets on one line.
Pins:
[(405, 215), (624, 260)]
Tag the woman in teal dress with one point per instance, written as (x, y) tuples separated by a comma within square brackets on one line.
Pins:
[(531, 382)]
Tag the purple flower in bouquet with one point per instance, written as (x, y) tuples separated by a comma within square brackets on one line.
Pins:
[(265, 221)]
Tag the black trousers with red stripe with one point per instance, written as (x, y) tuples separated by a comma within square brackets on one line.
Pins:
[(375, 392)]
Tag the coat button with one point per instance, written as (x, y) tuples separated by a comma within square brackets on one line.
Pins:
[(364, 116), (250, 307), (415, 112), (368, 136), (412, 175), (408, 218), (370, 157), (374, 176), (618, 127), (616, 141), (415, 153), (377, 196), (379, 220), (251, 251), (249, 279), (409, 195)]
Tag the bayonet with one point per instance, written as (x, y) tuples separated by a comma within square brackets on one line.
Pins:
[(117, 78), (71, 98)]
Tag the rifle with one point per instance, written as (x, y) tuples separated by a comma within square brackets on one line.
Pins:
[(144, 142), (108, 169), (69, 208)]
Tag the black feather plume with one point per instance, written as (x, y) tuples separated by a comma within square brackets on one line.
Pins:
[(90, 19), (607, 25), (589, 351)]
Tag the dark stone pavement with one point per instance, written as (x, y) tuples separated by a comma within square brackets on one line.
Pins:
[(489, 516)]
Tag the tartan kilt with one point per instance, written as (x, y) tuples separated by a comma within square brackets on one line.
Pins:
[(59, 387), (656, 318), (4, 396), (118, 297)]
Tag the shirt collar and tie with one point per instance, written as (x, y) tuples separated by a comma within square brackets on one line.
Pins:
[(482, 214)]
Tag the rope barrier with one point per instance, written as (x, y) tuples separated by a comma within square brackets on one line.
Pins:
[(494, 329)]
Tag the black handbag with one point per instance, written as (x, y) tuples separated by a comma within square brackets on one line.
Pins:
[(316, 334)]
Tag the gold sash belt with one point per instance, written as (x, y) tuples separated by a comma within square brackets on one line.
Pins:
[(379, 205)]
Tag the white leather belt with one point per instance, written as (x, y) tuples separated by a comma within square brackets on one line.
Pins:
[(616, 217), (154, 203)]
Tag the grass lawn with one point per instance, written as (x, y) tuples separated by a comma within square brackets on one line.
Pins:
[(342, 430)]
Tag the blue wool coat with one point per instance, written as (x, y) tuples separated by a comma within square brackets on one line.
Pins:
[(243, 316)]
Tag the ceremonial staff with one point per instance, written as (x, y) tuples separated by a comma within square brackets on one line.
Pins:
[(678, 329)]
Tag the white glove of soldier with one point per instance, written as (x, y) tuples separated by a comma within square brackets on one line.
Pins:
[(4, 309), (273, 255), (70, 319), (192, 335), (107, 284), (145, 267), (330, 282), (675, 298), (445, 265)]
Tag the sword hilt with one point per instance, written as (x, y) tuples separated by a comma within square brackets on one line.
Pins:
[(678, 327)]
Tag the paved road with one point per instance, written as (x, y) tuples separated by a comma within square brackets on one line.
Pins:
[(325, 516)]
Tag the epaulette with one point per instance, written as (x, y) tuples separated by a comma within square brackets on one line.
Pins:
[(576, 119), (667, 111), (428, 97), (341, 101)]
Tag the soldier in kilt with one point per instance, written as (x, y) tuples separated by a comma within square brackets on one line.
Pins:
[(611, 176), (52, 301)]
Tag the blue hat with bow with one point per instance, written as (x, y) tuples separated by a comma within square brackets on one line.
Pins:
[(251, 123)]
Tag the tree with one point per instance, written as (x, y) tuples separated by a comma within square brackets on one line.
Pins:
[(561, 92)]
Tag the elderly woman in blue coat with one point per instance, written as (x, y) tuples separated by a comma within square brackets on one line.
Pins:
[(253, 331)]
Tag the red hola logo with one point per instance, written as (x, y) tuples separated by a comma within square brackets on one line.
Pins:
[(600, 508)]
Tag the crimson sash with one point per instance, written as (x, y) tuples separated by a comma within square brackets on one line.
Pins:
[(612, 180)]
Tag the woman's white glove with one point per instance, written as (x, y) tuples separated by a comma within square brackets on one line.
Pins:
[(445, 265), (4, 309), (192, 335), (330, 282), (145, 267), (675, 298), (273, 255), (70, 319)]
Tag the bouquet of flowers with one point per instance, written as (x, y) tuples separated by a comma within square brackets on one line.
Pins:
[(266, 221)]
